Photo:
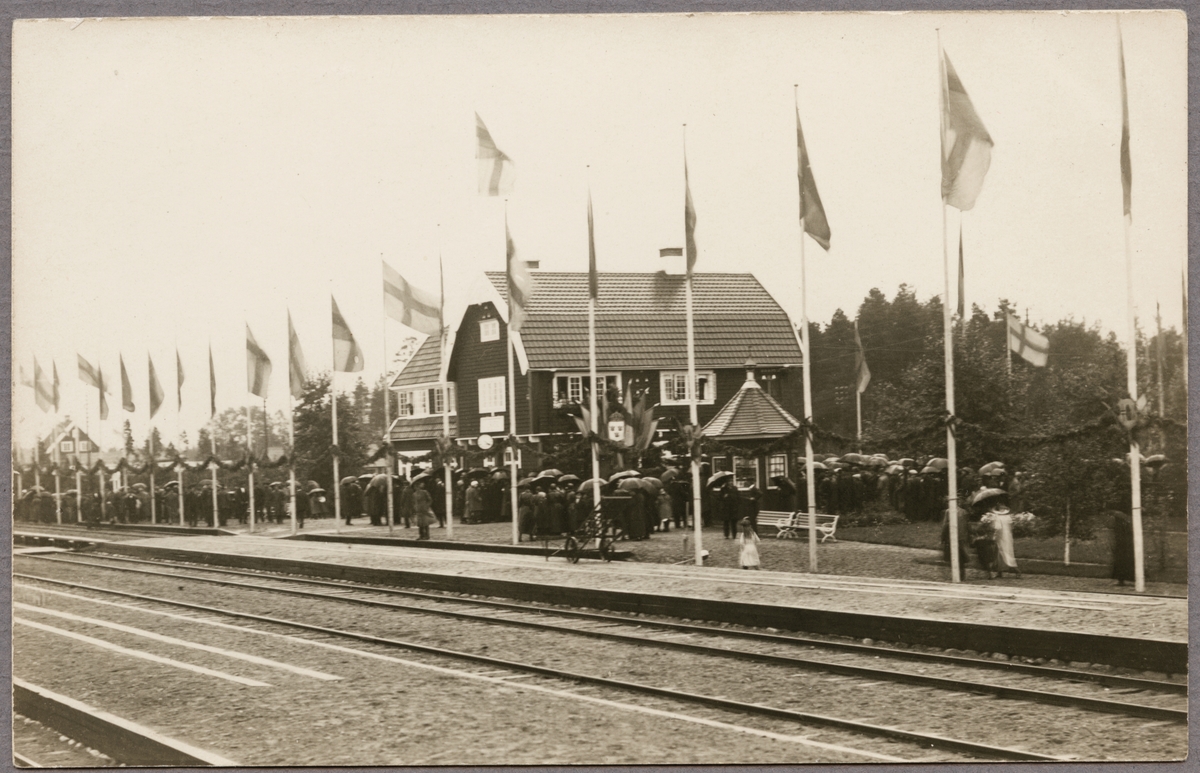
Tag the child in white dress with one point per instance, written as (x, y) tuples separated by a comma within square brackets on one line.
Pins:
[(748, 540)]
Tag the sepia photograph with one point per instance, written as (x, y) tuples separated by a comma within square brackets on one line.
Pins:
[(617, 389)]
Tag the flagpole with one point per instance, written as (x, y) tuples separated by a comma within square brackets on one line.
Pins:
[(57, 486), (1162, 395), (179, 484), (212, 440), (1135, 457), (337, 488), (512, 390), (693, 411), (858, 411), (593, 418), (78, 489), (250, 466), (387, 421), (948, 334), (444, 385), (292, 459), (153, 516)]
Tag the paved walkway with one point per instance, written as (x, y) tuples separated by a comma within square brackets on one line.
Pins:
[(1016, 605)]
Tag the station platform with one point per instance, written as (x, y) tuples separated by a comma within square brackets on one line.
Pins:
[(1022, 621)]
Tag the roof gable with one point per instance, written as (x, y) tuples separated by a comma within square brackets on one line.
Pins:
[(751, 413), (641, 321), (424, 367)]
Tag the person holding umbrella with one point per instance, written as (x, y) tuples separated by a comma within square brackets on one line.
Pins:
[(473, 499), (998, 517), (422, 505)]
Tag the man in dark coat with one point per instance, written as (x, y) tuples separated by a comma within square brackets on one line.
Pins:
[(351, 496), (1123, 559)]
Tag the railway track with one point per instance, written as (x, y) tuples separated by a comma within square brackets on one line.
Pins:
[(1158, 700)]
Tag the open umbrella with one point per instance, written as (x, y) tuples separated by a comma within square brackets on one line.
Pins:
[(907, 461), (629, 484), (892, 469), (719, 478), (550, 473), (524, 482), (499, 474), (652, 485), (379, 481), (475, 472), (853, 458), (624, 474), (346, 481), (568, 480), (366, 478), (423, 476), (938, 464), (588, 484), (669, 474), (987, 493)]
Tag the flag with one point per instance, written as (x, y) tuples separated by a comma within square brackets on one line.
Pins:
[(966, 144), (496, 170), (812, 213), (689, 221), (43, 392), (258, 366), (962, 281), (1126, 166), (409, 304), (593, 277), (87, 374), (212, 383), (297, 370), (520, 284), (156, 390), (862, 372), (1027, 342), (103, 391), (54, 366), (126, 389), (178, 381), (347, 357)]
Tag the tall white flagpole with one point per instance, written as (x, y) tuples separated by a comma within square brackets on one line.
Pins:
[(693, 411), (250, 466), (57, 485), (948, 335), (1135, 456), (212, 440), (337, 488), (810, 472), (593, 391), (512, 390), (153, 517), (179, 493), (292, 459), (78, 488), (445, 387), (387, 421)]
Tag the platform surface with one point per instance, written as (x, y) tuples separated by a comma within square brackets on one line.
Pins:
[(1111, 614)]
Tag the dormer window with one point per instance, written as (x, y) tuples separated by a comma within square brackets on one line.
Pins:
[(489, 330)]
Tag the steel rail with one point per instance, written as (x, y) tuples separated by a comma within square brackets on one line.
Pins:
[(1049, 672), (925, 740)]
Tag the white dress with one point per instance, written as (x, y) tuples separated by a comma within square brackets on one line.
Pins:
[(1005, 557), (749, 552)]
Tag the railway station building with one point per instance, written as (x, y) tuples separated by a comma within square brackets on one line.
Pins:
[(640, 344)]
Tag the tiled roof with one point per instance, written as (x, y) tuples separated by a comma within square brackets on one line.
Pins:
[(640, 321), (423, 428), (751, 413), (424, 367)]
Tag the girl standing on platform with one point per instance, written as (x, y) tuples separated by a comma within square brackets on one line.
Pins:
[(748, 540)]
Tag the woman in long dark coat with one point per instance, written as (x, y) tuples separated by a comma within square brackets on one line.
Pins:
[(1122, 570)]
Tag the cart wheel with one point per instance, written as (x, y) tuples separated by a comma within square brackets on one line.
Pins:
[(573, 549)]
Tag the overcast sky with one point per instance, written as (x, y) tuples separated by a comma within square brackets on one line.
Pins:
[(174, 179)]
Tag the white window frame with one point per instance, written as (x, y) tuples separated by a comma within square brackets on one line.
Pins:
[(489, 330), (560, 399), (67, 447), (493, 394), (742, 460), (720, 464), (771, 458), (417, 398), (666, 386)]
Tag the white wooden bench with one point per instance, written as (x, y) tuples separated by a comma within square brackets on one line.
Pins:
[(792, 525)]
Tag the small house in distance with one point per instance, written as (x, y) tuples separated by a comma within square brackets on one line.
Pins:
[(640, 344)]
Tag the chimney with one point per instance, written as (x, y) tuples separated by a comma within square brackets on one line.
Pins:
[(750, 366), (671, 260), (533, 265)]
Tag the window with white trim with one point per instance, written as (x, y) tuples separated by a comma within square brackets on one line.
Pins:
[(721, 464), (424, 402), (673, 385), (492, 395), (745, 471), (489, 330), (67, 447), (776, 467), (575, 387)]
